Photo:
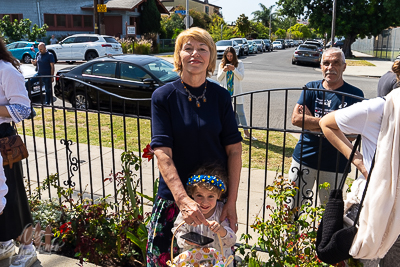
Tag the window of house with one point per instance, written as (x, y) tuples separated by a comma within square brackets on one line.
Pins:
[(64, 22), (207, 10), (77, 20), (13, 16), (88, 21), (49, 20), (61, 21)]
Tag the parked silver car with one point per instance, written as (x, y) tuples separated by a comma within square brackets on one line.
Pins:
[(224, 44), (261, 45), (85, 47), (244, 47), (306, 53)]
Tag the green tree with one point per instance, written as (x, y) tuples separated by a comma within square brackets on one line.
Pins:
[(354, 18), (200, 19), (243, 24), (281, 33), (20, 30), (170, 25), (150, 17), (260, 29), (218, 23), (300, 31)]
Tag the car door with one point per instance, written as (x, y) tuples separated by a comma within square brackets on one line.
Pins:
[(79, 47), (19, 50), (132, 84), (63, 49), (101, 74)]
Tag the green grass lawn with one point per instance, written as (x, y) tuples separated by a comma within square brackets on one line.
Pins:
[(111, 129)]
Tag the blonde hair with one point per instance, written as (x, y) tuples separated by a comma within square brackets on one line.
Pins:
[(199, 35)]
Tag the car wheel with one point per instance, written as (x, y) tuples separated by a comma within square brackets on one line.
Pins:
[(293, 62), (90, 55), (247, 52), (70, 62), (26, 59), (80, 101)]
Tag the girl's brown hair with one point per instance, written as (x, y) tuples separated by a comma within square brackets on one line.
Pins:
[(225, 60), (6, 55), (396, 69), (212, 170)]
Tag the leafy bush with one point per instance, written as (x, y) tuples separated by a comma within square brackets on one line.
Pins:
[(288, 242), (20, 30), (100, 231), (140, 46)]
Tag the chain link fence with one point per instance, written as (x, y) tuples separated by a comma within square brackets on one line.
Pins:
[(386, 45)]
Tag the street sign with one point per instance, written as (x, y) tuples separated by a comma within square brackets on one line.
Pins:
[(190, 21), (182, 12), (101, 8)]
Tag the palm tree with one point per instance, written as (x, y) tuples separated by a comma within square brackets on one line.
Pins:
[(263, 15)]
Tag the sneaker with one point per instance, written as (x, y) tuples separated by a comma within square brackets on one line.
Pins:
[(6, 251), (252, 138), (25, 258)]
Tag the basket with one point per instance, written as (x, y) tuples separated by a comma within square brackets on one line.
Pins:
[(199, 257)]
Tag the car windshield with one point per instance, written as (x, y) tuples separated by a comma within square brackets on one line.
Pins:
[(276, 42), (307, 48), (257, 42), (239, 41), (224, 43), (110, 40), (163, 70)]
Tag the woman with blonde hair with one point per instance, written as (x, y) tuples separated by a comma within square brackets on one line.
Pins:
[(230, 75), (193, 124)]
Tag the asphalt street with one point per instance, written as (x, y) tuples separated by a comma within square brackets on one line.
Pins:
[(273, 70)]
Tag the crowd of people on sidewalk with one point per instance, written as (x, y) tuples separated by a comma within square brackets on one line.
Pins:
[(198, 189)]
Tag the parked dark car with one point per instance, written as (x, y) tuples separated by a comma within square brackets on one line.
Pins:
[(316, 43), (132, 76), (268, 45), (306, 53)]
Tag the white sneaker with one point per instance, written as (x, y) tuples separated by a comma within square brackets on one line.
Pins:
[(6, 251), (25, 258)]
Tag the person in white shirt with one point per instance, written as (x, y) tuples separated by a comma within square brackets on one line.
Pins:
[(16, 220)]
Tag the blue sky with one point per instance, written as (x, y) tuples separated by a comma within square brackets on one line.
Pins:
[(231, 9)]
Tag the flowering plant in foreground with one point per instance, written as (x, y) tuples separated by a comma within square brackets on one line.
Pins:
[(288, 241)]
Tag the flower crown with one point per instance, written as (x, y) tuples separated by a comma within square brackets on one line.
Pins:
[(207, 179)]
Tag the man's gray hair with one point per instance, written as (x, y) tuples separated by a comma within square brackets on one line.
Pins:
[(335, 50)]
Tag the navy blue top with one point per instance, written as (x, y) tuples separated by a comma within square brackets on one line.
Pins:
[(43, 62), (320, 105), (196, 135)]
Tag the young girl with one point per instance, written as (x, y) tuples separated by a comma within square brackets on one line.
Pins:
[(206, 187)]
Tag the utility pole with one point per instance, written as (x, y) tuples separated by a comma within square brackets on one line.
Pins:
[(101, 20), (96, 17), (222, 25), (333, 22), (187, 15)]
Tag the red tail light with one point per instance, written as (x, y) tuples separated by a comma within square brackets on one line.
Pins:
[(316, 55), (106, 45), (296, 52)]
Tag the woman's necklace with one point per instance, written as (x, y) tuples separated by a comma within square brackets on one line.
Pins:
[(190, 96)]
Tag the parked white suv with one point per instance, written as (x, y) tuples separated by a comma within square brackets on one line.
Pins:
[(84, 47)]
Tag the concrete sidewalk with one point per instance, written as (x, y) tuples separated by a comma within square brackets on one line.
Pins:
[(381, 66)]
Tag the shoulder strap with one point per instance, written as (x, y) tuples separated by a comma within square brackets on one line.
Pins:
[(365, 190), (347, 168)]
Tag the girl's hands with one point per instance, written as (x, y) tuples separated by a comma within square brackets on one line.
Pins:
[(217, 228)]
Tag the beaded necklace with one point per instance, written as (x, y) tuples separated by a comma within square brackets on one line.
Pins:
[(190, 96)]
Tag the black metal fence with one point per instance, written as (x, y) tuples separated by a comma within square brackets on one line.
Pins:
[(83, 145)]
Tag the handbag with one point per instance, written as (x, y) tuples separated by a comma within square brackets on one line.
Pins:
[(333, 239), (12, 149), (201, 256)]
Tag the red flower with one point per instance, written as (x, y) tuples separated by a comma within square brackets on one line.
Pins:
[(171, 213), (148, 152), (163, 258)]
